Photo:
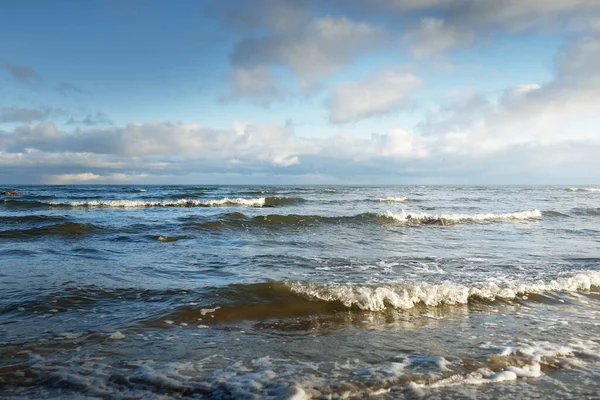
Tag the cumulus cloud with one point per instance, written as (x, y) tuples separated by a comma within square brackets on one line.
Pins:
[(377, 94), (320, 48), (160, 148), (542, 132), (549, 127), (434, 35), (315, 41), (317, 49), (90, 178), (20, 114), (255, 83), (448, 24), (557, 111)]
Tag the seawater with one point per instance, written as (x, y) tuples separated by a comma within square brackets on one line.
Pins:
[(300, 292)]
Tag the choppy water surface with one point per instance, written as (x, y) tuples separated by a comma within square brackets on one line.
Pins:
[(300, 292)]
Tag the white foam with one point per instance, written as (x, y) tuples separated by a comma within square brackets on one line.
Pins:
[(408, 217), (70, 335), (205, 311), (258, 202), (528, 371), (116, 336), (405, 296), (480, 377), (394, 199), (225, 202), (591, 190)]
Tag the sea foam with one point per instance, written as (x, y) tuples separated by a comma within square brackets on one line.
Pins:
[(416, 217), (591, 190), (394, 199), (406, 296), (225, 202)]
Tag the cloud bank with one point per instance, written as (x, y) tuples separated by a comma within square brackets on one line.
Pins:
[(361, 65)]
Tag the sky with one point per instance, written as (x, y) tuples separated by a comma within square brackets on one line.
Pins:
[(300, 92)]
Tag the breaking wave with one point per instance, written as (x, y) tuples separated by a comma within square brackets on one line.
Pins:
[(224, 202), (449, 219), (394, 199), (240, 220), (405, 296), (591, 190), (291, 299)]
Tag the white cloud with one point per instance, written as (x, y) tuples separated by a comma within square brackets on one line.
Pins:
[(377, 94), (255, 83), (320, 48), (563, 110), (90, 178), (434, 35), (447, 24), (262, 153)]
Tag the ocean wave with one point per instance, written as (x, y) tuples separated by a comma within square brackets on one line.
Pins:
[(406, 296), (449, 219), (590, 190), (586, 211), (240, 220), (78, 297), (291, 299), (31, 219), (394, 199), (64, 229), (223, 202), (551, 213)]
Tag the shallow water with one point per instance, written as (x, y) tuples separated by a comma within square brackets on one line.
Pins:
[(309, 291)]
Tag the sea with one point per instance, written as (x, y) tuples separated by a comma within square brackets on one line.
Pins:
[(300, 292)]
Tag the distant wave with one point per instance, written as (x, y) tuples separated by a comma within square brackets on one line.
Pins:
[(551, 213), (224, 202), (591, 190), (240, 220), (586, 211), (64, 229), (449, 219), (394, 199), (29, 219)]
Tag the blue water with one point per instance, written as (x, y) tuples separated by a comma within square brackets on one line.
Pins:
[(300, 292)]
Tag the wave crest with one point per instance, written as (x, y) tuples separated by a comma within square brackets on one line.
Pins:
[(394, 199), (186, 202), (591, 190), (405, 296), (447, 219)]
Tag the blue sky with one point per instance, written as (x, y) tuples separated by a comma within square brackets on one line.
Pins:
[(282, 91)]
